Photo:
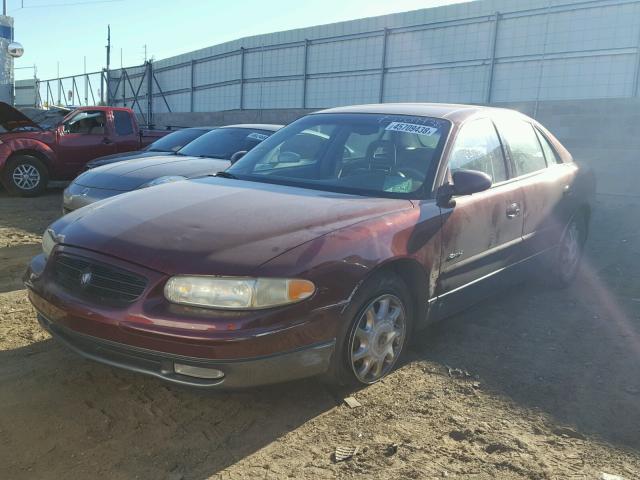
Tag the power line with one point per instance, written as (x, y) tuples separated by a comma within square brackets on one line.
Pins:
[(67, 4)]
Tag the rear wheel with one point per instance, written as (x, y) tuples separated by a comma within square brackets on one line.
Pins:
[(370, 344), (569, 253), (25, 176)]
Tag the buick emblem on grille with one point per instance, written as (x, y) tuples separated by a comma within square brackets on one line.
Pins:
[(85, 278)]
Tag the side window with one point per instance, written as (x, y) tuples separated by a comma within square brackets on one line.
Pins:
[(523, 144), (123, 123), (299, 150), (478, 147), (549, 152), (86, 122)]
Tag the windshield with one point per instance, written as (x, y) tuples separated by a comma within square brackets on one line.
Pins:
[(369, 154), (224, 142), (176, 140)]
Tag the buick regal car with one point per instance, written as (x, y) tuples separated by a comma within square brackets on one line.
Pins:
[(324, 250), (165, 145), (207, 154)]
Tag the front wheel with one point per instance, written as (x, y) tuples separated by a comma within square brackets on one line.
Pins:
[(370, 344), (25, 176)]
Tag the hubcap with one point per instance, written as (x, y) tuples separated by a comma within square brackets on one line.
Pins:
[(26, 177), (570, 253), (378, 338)]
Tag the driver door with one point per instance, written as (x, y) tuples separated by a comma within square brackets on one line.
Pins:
[(82, 137), (481, 233)]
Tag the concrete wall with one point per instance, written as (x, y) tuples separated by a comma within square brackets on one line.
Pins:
[(603, 133)]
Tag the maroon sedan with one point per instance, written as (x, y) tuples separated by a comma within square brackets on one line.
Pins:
[(322, 251)]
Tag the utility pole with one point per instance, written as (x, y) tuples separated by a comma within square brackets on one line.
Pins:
[(4, 7), (107, 88), (145, 53), (86, 83)]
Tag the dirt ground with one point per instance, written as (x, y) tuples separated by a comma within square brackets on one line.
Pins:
[(533, 384)]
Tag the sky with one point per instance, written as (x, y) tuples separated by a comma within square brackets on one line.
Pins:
[(66, 31)]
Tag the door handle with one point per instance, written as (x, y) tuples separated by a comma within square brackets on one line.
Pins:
[(513, 210), (106, 141)]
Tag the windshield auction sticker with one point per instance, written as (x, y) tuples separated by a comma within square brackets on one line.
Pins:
[(257, 136), (411, 128)]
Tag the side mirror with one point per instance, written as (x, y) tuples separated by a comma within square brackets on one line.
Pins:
[(465, 182), (237, 156)]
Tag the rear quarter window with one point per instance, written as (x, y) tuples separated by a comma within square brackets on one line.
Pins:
[(123, 123), (549, 153)]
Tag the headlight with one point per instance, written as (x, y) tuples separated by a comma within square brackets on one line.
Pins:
[(236, 292), (48, 242), (165, 179)]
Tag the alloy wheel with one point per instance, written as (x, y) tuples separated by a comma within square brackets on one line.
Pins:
[(570, 251), (377, 340), (26, 176)]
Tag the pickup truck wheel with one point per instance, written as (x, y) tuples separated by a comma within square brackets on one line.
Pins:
[(369, 345), (25, 176)]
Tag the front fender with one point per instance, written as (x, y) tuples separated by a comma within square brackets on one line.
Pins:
[(29, 146), (342, 260)]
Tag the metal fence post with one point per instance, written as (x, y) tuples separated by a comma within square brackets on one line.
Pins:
[(123, 72), (241, 78), (149, 93), (383, 64), (305, 70), (636, 80), (107, 85), (193, 86), (492, 64)]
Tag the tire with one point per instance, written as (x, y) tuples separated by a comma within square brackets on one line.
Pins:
[(25, 176), (379, 333), (569, 252)]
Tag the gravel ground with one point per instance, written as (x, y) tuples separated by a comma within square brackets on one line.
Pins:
[(533, 384)]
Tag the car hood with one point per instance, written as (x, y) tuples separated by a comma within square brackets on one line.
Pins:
[(12, 118), (132, 174), (213, 225), (120, 157)]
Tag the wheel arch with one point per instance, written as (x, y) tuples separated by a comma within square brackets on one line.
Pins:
[(32, 153), (416, 278)]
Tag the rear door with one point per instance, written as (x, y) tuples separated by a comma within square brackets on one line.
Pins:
[(546, 184), (126, 138), (481, 233)]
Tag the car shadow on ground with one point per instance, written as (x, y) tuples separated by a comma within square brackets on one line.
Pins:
[(142, 423), (571, 353)]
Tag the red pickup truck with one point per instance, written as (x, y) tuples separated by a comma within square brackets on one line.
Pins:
[(32, 154)]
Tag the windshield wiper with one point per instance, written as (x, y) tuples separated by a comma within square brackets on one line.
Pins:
[(224, 174)]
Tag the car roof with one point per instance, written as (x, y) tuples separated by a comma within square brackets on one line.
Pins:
[(256, 126), (457, 113)]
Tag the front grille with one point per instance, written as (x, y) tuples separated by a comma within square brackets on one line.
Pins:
[(97, 282)]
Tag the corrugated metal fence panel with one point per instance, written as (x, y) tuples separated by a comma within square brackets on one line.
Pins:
[(544, 50), (25, 93)]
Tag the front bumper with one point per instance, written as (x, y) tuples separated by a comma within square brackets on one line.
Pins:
[(246, 349), (301, 363), (77, 196)]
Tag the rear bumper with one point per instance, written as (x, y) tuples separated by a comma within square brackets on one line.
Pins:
[(305, 362)]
